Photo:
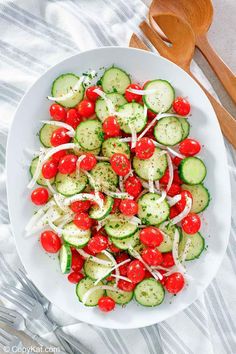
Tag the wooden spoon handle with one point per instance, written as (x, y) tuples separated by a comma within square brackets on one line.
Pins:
[(225, 75)]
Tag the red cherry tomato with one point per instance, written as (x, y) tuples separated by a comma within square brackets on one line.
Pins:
[(147, 275), (189, 147), (150, 236), (181, 204), (73, 118), (86, 108), (181, 106), (75, 277), (176, 160), (50, 241), (113, 248), (120, 164), (152, 256), (106, 304), (126, 285), (40, 196), (49, 169), (136, 271), (98, 243), (176, 178), (91, 95), (87, 250), (133, 186), (80, 205), (165, 178), (133, 96), (59, 137), (123, 268), (173, 212), (67, 164), (58, 155), (128, 207), (88, 162), (174, 283), (168, 260), (174, 190), (151, 114), (145, 148), (191, 223), (57, 112), (77, 261), (111, 127), (163, 280), (115, 207), (82, 221)]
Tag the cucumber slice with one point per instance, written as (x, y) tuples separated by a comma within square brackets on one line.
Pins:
[(104, 177), (162, 100), (132, 113), (192, 170), (150, 212), (126, 243), (113, 146), (120, 227), (65, 258), (96, 271), (167, 243), (149, 292), (197, 245), (115, 80), (74, 236), (201, 197), (98, 214), (155, 166), (45, 134), (83, 286), (89, 134), (138, 248), (168, 131), (120, 298), (185, 127), (81, 150), (70, 184), (101, 109), (62, 85), (41, 179)]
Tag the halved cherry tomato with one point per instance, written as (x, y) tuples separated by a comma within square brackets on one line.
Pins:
[(167, 260), (91, 95), (67, 164), (181, 204), (133, 186), (181, 106), (144, 148), (123, 268), (189, 147), (59, 137), (128, 207), (82, 221), (75, 277), (136, 271), (106, 304), (87, 250), (58, 155), (57, 112), (174, 190), (176, 178), (191, 223), (163, 280), (174, 283), (113, 248), (77, 261), (152, 256), (165, 178), (49, 169), (80, 205), (150, 236), (176, 160), (126, 285), (73, 118), (147, 275), (111, 127), (88, 162), (86, 108), (115, 207), (120, 164), (133, 96), (39, 196), (98, 243), (151, 114), (50, 241), (173, 212)]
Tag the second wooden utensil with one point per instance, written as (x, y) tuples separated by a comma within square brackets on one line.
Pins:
[(181, 52)]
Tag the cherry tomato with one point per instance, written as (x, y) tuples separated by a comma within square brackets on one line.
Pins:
[(59, 137), (176, 160), (176, 178), (50, 241), (87, 250), (168, 260), (75, 277), (189, 147), (128, 207), (80, 205), (125, 285), (57, 112), (191, 223), (106, 304), (40, 196), (147, 275), (73, 118), (165, 178), (133, 96), (145, 148), (150, 236), (49, 169), (120, 164), (123, 268), (151, 114), (88, 162), (67, 164), (77, 261), (113, 248), (174, 283), (174, 190), (82, 221), (58, 155), (152, 256), (181, 106), (98, 243), (86, 108), (136, 271), (133, 186), (115, 207), (173, 212), (181, 204), (91, 95), (111, 127), (163, 280)]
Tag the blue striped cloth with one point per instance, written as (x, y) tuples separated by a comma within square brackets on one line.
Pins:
[(34, 36)]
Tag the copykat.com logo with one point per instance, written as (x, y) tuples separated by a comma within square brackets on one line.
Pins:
[(31, 349)]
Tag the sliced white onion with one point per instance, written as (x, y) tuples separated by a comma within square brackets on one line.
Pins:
[(150, 185), (60, 201), (119, 195), (70, 94), (121, 184), (130, 173), (102, 158), (110, 256), (175, 153), (185, 251), (173, 200), (156, 275), (125, 140), (135, 220), (161, 268), (50, 187), (111, 270), (66, 219), (93, 258), (157, 185), (144, 191), (145, 109), (149, 126), (133, 135), (58, 230), (183, 213), (121, 277), (142, 92), (99, 287), (78, 165), (60, 124), (162, 197), (175, 253), (85, 196), (171, 172), (110, 106), (53, 150), (40, 212), (37, 172)]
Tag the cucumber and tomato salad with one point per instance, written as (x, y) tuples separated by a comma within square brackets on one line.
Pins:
[(106, 200)]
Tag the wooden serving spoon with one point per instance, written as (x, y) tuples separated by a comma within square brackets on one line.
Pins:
[(181, 52), (199, 15)]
